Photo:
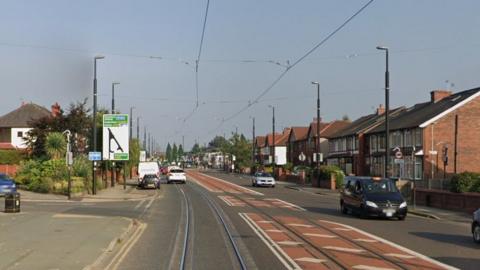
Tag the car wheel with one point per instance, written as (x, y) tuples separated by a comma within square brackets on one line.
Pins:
[(476, 233), (253, 184), (273, 186), (402, 217), (343, 209), (168, 182)]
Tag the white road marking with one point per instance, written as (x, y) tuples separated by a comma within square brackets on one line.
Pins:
[(139, 204), (320, 235), (225, 200), (342, 229), (404, 249), (402, 256), (310, 260), (352, 250), (274, 230), (276, 250), (123, 252), (75, 216), (300, 225), (289, 204), (264, 221), (232, 184), (150, 203), (366, 267), (365, 240), (289, 243)]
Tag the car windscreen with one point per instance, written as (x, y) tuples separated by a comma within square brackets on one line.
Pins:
[(380, 186), (176, 171), (264, 175)]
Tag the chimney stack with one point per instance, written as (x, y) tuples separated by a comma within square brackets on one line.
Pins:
[(437, 95), (380, 109)]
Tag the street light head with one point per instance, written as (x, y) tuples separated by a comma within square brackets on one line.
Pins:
[(115, 83), (99, 57), (315, 83), (383, 48)]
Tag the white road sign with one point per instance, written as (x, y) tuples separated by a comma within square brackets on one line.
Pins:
[(115, 137)]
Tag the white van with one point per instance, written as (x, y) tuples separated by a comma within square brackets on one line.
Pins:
[(148, 168)]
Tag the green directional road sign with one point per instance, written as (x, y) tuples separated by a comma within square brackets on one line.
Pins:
[(115, 137)]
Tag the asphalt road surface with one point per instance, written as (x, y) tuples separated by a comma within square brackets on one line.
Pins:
[(219, 221)]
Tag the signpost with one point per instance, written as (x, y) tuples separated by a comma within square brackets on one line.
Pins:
[(94, 156), (115, 137), (302, 157)]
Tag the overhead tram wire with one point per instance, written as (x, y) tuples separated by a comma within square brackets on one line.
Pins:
[(290, 67)]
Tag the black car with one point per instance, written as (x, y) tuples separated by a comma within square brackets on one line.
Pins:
[(371, 196), (150, 181), (476, 226)]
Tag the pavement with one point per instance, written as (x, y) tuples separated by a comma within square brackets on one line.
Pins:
[(86, 232)]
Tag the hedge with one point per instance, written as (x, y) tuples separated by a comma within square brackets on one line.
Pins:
[(465, 182), (11, 157)]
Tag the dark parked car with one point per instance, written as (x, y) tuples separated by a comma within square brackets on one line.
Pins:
[(476, 226), (7, 185), (150, 181), (371, 196)]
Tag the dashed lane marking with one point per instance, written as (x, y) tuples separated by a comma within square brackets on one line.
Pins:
[(320, 235), (310, 260), (300, 225), (264, 221), (139, 204), (351, 250), (366, 267), (342, 229), (274, 231), (402, 256), (365, 240)]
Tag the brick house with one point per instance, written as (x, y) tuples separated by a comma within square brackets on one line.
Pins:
[(297, 144), (14, 125), (259, 143), (326, 132), (445, 128), (280, 145), (347, 146)]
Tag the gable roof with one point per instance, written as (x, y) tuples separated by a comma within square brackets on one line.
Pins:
[(299, 133), (327, 129), (260, 141), (364, 124), (423, 114), (22, 116)]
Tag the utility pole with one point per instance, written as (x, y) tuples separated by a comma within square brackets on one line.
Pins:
[(387, 109), (138, 129), (145, 138), (317, 141), (273, 139), (130, 135), (113, 96), (94, 180), (113, 169), (253, 143)]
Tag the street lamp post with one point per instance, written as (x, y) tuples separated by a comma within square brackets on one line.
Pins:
[(138, 129), (273, 139), (317, 141), (253, 142), (387, 109), (113, 96), (94, 178)]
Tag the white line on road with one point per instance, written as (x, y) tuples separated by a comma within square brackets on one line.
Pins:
[(352, 250), (276, 250), (320, 235), (139, 204), (367, 267), (122, 253), (290, 204), (150, 203), (300, 225), (310, 260)]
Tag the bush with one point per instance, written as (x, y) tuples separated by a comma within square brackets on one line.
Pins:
[(82, 167), (11, 156), (41, 185), (327, 171), (465, 182)]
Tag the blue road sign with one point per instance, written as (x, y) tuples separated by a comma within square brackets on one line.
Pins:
[(94, 156)]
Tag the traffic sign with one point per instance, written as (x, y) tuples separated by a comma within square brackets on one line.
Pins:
[(398, 155), (302, 157), (115, 137), (94, 156)]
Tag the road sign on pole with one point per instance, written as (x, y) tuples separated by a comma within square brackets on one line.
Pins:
[(115, 137), (302, 157)]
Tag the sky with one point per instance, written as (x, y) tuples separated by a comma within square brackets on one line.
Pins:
[(150, 47)]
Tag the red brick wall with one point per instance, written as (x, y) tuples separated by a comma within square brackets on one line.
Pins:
[(468, 141), (466, 202), (10, 170)]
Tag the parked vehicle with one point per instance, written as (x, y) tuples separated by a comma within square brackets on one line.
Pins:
[(150, 181), (7, 185), (176, 175), (372, 196), (263, 179), (476, 226), (145, 168)]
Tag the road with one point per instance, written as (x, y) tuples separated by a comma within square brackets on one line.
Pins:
[(218, 221)]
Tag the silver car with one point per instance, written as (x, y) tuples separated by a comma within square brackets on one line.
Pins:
[(263, 179), (476, 226)]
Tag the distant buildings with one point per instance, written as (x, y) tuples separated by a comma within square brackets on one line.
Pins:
[(15, 125)]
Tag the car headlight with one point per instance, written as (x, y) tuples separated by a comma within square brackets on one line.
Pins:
[(371, 204), (14, 186), (403, 204)]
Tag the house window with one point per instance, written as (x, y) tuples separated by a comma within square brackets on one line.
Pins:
[(381, 142), (373, 143), (20, 134), (418, 137), (408, 138)]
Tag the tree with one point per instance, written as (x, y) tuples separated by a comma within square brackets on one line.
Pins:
[(195, 149), (168, 153), (218, 142), (180, 151), (134, 151), (55, 145), (175, 152)]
